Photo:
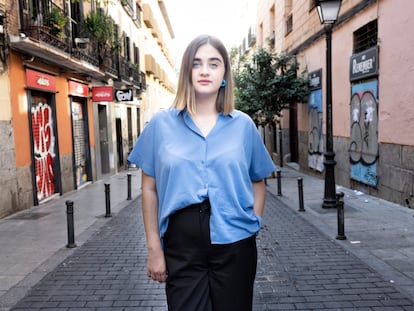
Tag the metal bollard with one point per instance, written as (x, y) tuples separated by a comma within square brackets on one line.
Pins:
[(341, 216), (108, 200), (71, 227), (300, 191), (279, 182), (129, 186)]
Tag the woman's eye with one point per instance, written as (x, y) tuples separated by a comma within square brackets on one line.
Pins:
[(196, 64), (213, 65)]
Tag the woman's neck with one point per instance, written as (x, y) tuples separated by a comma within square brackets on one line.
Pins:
[(206, 106), (205, 116)]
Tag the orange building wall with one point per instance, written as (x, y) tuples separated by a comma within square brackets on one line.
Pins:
[(19, 105), (20, 114), (90, 123), (63, 116)]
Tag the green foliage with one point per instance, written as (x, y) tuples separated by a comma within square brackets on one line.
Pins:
[(57, 20), (100, 26), (101, 29), (266, 84)]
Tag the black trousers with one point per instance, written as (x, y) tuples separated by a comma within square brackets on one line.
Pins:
[(204, 276)]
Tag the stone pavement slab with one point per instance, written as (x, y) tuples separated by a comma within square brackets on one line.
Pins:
[(299, 268)]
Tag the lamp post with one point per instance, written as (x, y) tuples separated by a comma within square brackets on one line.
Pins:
[(328, 11)]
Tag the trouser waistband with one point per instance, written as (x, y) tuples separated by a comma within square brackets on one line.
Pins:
[(198, 207)]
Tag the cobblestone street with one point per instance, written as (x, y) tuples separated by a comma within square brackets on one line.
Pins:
[(299, 268)]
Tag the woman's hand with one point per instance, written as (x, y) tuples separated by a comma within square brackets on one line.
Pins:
[(156, 267)]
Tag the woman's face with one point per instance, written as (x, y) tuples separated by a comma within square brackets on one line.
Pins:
[(208, 70)]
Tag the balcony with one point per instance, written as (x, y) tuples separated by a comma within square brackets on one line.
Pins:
[(129, 73), (48, 33), (71, 42)]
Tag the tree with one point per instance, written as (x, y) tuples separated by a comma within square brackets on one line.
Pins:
[(266, 84)]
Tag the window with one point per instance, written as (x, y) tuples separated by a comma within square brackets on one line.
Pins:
[(272, 36), (127, 47), (136, 55), (288, 15), (137, 16), (289, 24), (366, 37), (251, 38)]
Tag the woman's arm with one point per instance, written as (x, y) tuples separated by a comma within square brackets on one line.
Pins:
[(259, 192), (156, 267)]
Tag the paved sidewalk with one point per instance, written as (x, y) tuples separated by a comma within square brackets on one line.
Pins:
[(301, 264), (378, 232), (33, 242)]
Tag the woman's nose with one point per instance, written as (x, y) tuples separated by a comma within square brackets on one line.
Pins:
[(204, 69)]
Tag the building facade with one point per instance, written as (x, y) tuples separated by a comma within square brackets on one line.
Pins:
[(75, 89), (372, 63)]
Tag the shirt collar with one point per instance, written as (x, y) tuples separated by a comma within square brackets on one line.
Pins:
[(185, 112)]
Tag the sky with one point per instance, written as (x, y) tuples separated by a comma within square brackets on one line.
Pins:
[(190, 18)]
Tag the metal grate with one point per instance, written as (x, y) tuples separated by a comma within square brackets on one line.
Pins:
[(366, 37)]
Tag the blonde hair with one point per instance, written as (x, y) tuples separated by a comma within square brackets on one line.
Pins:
[(185, 98)]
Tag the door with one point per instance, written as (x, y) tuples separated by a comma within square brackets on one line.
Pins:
[(119, 146), (81, 151), (44, 149), (103, 138), (293, 134)]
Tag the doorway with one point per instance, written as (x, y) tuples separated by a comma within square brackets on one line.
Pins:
[(81, 149), (104, 138), (45, 161)]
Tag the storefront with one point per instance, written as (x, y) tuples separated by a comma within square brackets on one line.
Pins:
[(364, 147), (102, 97), (41, 90), (315, 139), (78, 99)]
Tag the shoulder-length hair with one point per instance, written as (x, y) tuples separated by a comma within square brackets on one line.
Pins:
[(185, 98)]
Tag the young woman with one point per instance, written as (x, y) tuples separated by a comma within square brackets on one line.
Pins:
[(203, 168)]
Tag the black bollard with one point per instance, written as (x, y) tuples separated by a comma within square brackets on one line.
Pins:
[(341, 216), (279, 182), (71, 227), (108, 200), (300, 191), (129, 186)]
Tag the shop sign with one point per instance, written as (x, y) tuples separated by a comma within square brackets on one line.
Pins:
[(364, 64), (102, 94), (78, 89), (315, 80), (40, 80), (125, 95)]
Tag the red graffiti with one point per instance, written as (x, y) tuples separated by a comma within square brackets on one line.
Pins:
[(43, 146)]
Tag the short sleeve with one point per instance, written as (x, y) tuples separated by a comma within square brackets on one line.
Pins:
[(261, 163), (143, 152)]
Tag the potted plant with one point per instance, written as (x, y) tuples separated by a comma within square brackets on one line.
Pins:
[(57, 22), (101, 30)]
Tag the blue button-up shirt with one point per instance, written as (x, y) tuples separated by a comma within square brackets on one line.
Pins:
[(188, 168)]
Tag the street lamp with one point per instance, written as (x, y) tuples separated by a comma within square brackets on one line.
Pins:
[(328, 11)]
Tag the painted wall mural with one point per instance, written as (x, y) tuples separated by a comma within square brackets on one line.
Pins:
[(315, 140), (43, 147), (364, 133)]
